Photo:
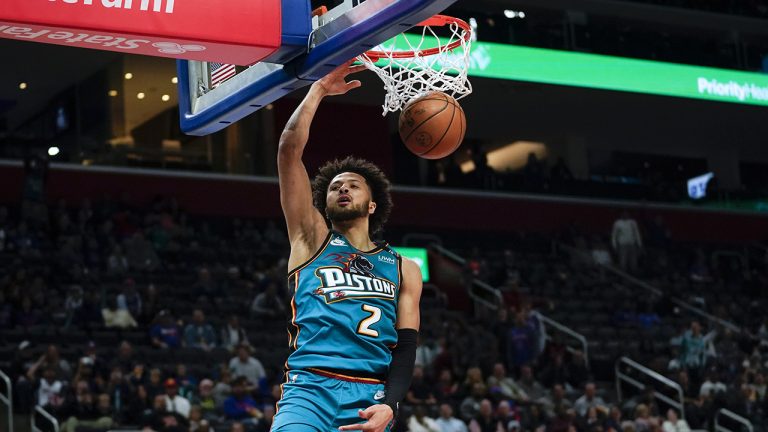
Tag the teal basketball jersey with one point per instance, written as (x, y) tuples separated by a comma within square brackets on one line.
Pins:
[(344, 309)]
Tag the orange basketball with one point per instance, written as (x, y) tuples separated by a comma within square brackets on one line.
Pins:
[(432, 126)]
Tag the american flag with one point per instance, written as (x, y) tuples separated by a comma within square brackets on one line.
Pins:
[(221, 72)]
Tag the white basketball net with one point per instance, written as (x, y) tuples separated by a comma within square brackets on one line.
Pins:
[(408, 78)]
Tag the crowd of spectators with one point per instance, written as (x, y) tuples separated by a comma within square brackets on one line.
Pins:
[(101, 335)]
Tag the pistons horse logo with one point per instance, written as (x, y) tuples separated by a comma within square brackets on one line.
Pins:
[(354, 263)]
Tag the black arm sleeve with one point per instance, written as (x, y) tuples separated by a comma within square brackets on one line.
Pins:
[(401, 368)]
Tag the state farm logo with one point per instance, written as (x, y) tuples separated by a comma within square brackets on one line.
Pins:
[(174, 48), (94, 40), (157, 5)]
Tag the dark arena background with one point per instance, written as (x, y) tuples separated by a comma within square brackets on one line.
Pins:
[(595, 254)]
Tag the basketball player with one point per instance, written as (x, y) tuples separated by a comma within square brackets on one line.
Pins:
[(355, 303)]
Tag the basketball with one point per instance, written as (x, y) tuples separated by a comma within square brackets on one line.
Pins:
[(432, 126)]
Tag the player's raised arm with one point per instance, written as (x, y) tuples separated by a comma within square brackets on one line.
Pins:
[(305, 224)]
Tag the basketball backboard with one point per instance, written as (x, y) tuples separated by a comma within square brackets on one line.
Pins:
[(311, 46)]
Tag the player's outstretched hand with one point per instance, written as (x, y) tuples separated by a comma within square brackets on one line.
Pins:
[(335, 82), (378, 416)]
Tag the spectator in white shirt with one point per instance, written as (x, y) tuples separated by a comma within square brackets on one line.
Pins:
[(173, 402), (626, 241), (673, 424), (246, 366), (589, 400), (49, 389), (419, 422), (447, 422), (233, 335)]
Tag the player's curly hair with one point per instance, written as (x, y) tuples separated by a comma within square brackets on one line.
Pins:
[(373, 175)]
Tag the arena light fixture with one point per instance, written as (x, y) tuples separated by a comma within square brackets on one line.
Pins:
[(513, 14), (112, 93), (141, 95), (165, 98), (175, 80), (23, 86), (53, 151), (128, 75)]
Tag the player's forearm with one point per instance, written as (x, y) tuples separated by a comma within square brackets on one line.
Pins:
[(296, 132)]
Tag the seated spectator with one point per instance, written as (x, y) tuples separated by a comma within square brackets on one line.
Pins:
[(267, 304), (222, 388), (165, 333), (484, 421), (419, 422), (674, 424), (155, 385), (447, 422), (195, 418), (504, 415), (115, 317), (420, 392), (712, 385), (555, 401), (446, 389), (589, 400), (644, 422), (613, 422), (248, 367), (240, 406), (470, 406), (77, 406), (141, 255), (425, 354), (528, 384), (50, 390), (501, 386), (186, 381), (173, 402), (233, 334), (159, 419), (592, 422), (73, 303), (130, 299), (117, 263), (198, 333), (99, 418), (125, 359), (204, 399), (51, 359)]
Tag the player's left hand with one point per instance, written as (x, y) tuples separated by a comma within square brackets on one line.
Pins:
[(378, 416)]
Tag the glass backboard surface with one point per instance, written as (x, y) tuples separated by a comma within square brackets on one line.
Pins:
[(311, 47)]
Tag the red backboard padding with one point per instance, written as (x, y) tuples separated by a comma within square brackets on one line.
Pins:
[(232, 31)]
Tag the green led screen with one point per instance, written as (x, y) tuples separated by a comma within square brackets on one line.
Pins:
[(419, 255)]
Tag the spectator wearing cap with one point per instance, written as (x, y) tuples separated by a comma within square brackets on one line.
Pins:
[(165, 333), (232, 335), (130, 299), (240, 406), (447, 422), (198, 333), (244, 365), (173, 402)]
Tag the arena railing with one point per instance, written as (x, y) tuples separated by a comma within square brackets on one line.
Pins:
[(498, 301), (655, 291), (7, 398), (733, 416), (46, 416), (549, 322), (678, 403)]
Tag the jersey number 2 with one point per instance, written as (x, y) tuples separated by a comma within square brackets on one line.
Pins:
[(364, 328)]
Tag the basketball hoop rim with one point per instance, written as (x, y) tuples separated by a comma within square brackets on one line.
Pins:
[(435, 21)]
